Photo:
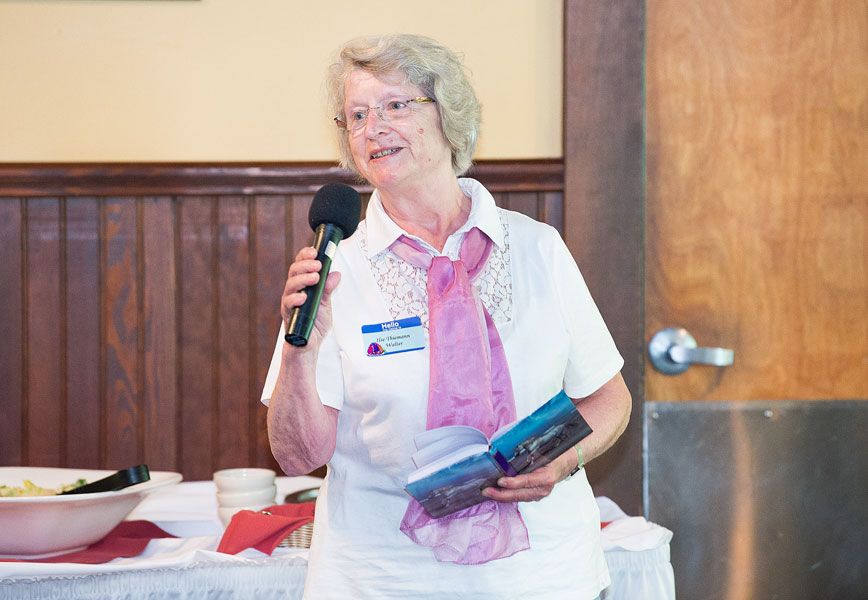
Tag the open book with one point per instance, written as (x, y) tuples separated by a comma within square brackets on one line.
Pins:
[(455, 463)]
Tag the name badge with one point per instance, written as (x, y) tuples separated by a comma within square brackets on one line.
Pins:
[(393, 337)]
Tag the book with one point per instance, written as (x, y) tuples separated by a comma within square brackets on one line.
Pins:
[(456, 462)]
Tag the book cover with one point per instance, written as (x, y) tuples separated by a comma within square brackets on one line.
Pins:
[(455, 463)]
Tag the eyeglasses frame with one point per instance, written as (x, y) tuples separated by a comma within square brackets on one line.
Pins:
[(342, 124)]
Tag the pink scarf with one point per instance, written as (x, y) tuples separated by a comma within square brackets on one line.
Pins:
[(469, 385)]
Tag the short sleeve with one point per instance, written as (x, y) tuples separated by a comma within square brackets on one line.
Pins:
[(273, 369), (329, 375), (593, 358)]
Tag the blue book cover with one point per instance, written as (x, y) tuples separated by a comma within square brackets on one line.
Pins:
[(455, 463)]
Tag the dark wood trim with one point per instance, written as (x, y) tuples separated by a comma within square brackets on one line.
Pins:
[(220, 179), (604, 200)]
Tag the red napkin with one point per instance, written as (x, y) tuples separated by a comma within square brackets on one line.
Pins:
[(249, 529), (128, 539)]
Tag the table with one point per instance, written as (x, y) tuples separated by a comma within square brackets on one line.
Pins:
[(188, 567)]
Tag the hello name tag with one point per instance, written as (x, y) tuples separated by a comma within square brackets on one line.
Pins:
[(393, 337)]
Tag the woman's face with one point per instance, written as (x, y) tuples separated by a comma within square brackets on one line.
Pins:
[(395, 153)]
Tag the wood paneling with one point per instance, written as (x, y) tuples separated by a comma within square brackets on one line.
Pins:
[(83, 332), (13, 399), (198, 335), (234, 428), (46, 410), (160, 389), (603, 200), (122, 333), (139, 305), (270, 253)]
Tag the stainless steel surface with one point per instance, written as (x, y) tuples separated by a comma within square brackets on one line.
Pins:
[(765, 499), (673, 350)]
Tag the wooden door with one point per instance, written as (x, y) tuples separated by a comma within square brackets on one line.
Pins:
[(755, 222)]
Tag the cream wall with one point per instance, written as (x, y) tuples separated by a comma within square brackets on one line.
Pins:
[(241, 80)]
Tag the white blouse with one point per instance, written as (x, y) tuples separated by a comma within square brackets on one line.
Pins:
[(554, 338)]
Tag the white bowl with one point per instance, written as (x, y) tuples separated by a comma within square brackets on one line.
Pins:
[(41, 526), (225, 513), (264, 496), (242, 480)]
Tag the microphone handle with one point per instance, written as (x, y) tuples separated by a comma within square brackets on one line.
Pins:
[(302, 318)]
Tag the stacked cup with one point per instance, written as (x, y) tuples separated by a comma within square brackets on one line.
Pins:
[(243, 489)]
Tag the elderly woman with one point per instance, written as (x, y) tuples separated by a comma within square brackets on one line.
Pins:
[(431, 247)]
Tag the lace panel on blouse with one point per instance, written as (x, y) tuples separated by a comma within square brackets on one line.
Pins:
[(402, 285)]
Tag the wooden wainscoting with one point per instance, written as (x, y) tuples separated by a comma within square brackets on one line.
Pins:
[(139, 304)]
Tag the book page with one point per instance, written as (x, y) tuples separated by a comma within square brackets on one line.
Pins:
[(449, 459), (462, 434), (436, 443)]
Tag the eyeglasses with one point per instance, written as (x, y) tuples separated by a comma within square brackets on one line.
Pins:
[(391, 110)]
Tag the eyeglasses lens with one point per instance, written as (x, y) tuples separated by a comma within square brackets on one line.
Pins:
[(393, 110)]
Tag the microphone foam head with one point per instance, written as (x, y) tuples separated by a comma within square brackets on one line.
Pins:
[(338, 204)]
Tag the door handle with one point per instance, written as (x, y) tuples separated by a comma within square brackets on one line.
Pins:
[(673, 350)]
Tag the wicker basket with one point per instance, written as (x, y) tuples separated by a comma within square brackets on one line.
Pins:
[(300, 538)]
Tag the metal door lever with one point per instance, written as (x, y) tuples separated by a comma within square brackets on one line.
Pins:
[(673, 350)]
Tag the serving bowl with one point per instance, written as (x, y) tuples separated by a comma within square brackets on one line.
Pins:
[(41, 526)]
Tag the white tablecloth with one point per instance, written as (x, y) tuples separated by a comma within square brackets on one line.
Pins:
[(189, 567)]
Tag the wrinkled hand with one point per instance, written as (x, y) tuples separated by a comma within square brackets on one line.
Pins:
[(304, 272), (534, 486)]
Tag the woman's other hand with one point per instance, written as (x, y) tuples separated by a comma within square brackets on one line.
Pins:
[(607, 411), (536, 485)]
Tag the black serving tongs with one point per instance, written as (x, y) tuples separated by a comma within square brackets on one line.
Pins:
[(115, 482)]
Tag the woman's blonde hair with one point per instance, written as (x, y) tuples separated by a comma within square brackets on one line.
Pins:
[(429, 65)]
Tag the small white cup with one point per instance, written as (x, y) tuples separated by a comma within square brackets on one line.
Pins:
[(265, 496), (243, 480)]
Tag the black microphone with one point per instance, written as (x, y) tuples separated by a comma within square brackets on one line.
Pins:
[(333, 216)]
